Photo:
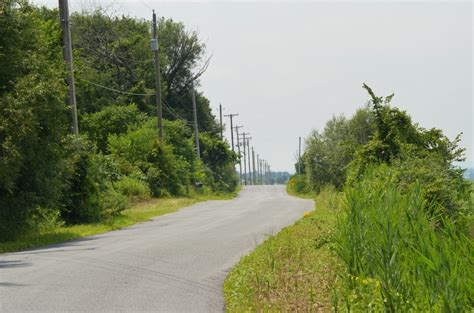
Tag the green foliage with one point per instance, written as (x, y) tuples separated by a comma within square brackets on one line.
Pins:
[(404, 235), (33, 117), (328, 154), (140, 150), (298, 185), (47, 177), (133, 188), (80, 200), (217, 156), (88, 195), (420, 156), (396, 259), (113, 51), (112, 119)]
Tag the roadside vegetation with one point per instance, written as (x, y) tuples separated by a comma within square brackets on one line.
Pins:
[(293, 271), (401, 236), (57, 185)]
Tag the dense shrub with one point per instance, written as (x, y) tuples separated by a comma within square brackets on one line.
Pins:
[(396, 259), (80, 200), (418, 155), (328, 154), (88, 195), (114, 119), (298, 185), (403, 237), (33, 118), (112, 202), (133, 188), (140, 150), (220, 160)]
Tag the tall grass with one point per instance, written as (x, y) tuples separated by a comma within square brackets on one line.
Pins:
[(397, 259), (293, 271)]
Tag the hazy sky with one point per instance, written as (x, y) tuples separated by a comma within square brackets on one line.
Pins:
[(287, 67)]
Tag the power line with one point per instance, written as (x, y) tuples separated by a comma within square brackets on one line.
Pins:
[(116, 90), (133, 60), (165, 104)]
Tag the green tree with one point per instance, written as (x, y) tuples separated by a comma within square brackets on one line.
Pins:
[(113, 119), (34, 116)]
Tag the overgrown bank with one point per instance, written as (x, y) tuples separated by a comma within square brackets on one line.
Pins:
[(401, 233), (293, 271)]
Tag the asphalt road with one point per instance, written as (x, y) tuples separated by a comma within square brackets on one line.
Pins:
[(175, 263)]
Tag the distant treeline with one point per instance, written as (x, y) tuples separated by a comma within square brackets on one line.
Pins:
[(47, 175)]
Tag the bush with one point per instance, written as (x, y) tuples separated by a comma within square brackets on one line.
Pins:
[(113, 119), (220, 160), (140, 150), (88, 195), (133, 188), (80, 199), (396, 259), (328, 154), (111, 203), (298, 185), (33, 119)]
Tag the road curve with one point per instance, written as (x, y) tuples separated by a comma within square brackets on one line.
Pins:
[(174, 263)]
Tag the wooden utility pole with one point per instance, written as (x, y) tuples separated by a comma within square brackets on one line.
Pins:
[(254, 172), (269, 175), (67, 53), (231, 129), (220, 119), (245, 161), (258, 170), (249, 160), (196, 130), (156, 59), (238, 149)]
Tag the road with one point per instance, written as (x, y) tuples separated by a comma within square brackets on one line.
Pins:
[(174, 263)]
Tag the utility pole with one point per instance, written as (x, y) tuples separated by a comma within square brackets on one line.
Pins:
[(245, 161), (254, 172), (258, 170), (299, 156), (154, 48), (267, 170), (196, 130), (238, 149), (231, 129), (250, 162), (67, 53), (220, 119), (268, 173)]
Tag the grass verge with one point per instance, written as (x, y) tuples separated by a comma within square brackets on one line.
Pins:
[(139, 212), (292, 271)]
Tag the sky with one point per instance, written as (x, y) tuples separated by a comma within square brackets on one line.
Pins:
[(288, 67)]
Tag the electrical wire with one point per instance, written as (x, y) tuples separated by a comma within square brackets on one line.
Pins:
[(164, 102), (116, 90), (134, 60)]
